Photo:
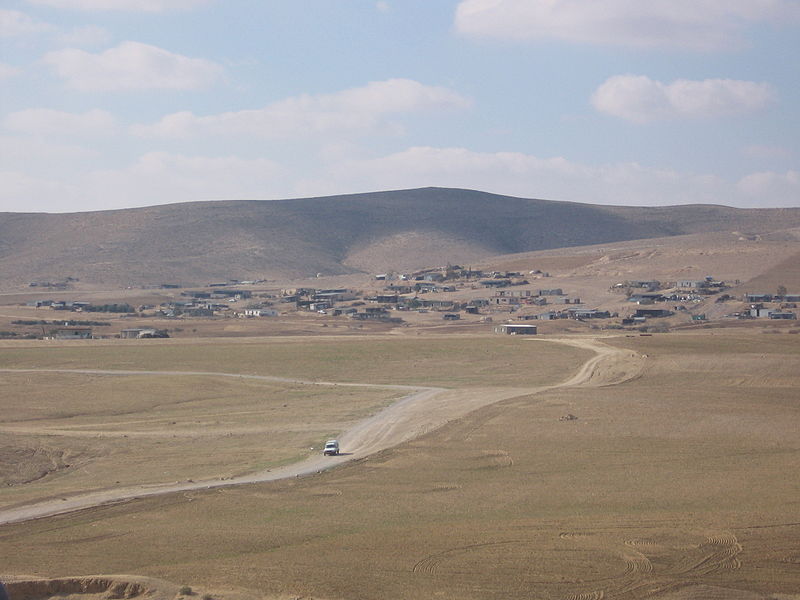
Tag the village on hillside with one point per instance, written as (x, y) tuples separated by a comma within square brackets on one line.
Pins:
[(507, 302)]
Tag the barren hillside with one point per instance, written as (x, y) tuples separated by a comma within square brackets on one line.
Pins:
[(195, 243)]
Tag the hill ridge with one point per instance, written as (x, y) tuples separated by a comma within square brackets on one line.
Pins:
[(198, 242)]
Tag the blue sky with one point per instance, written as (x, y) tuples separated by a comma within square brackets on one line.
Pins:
[(121, 103)]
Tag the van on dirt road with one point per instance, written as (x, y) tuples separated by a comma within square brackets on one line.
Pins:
[(331, 448)]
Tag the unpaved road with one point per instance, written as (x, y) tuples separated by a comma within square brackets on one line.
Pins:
[(423, 409)]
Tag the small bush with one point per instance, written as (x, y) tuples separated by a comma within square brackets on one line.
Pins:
[(186, 591)]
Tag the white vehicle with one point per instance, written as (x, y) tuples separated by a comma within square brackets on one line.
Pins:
[(331, 448)]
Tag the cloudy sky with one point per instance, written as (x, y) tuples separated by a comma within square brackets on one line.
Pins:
[(121, 103)]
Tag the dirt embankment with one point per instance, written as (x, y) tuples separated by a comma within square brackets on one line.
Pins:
[(88, 588), (25, 465), (119, 587)]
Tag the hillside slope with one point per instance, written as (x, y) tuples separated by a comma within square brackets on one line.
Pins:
[(195, 243)]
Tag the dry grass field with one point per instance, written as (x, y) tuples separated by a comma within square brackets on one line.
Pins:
[(159, 414), (68, 432), (487, 360), (679, 484)]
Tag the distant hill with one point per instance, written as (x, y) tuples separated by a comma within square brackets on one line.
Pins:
[(200, 242)]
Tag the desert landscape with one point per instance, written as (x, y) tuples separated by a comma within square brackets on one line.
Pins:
[(603, 457), (661, 470), (400, 300)]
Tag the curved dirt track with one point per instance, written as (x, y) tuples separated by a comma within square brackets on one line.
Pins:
[(422, 410)]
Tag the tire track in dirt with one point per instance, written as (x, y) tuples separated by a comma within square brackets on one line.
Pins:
[(571, 535), (430, 564), (423, 409), (598, 595), (444, 487), (791, 559), (637, 563), (639, 543), (729, 549), (494, 459), (719, 552)]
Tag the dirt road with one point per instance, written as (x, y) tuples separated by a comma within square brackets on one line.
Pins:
[(422, 410)]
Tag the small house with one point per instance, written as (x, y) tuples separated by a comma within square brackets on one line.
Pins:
[(73, 333), (588, 313), (548, 316), (758, 297), (40, 303), (690, 284), (507, 300), (515, 329), (139, 334), (497, 283), (782, 315), (652, 313)]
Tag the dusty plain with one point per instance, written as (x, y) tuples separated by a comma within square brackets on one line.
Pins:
[(677, 478), (676, 483), (68, 431)]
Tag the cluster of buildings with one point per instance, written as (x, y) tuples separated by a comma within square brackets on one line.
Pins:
[(452, 291), (771, 306)]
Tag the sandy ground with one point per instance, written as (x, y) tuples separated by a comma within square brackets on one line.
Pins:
[(671, 484), (422, 410)]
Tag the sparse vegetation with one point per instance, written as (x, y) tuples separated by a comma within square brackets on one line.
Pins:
[(384, 230), (669, 481), (510, 500)]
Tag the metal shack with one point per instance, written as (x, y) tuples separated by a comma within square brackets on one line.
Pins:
[(514, 329)]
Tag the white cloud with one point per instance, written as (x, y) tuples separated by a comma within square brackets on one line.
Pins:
[(123, 5), (690, 24), (353, 110), (45, 121), (90, 35), (772, 189), (20, 192), (530, 176), (16, 23), (160, 177), (132, 66), (7, 71), (155, 178), (640, 99), (50, 159)]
